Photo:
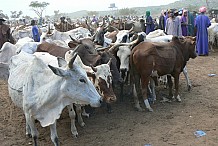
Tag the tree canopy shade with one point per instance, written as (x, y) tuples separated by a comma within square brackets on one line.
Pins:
[(38, 7)]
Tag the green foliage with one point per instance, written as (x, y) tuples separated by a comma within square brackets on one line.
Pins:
[(3, 15), (36, 4), (14, 14), (38, 7)]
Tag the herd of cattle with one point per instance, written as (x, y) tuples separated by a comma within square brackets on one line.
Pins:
[(78, 68)]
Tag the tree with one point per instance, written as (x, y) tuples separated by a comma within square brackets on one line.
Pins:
[(15, 15), (91, 13), (127, 11), (3, 15), (38, 7)]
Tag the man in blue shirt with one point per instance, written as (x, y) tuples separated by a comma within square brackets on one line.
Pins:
[(35, 31)]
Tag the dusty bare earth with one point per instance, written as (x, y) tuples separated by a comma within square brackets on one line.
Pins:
[(170, 123)]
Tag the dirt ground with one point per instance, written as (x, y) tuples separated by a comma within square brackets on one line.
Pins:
[(170, 124)]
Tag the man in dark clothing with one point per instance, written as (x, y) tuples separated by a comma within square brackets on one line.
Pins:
[(5, 33), (162, 21), (63, 26)]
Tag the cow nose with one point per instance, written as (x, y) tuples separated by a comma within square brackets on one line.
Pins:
[(121, 80), (123, 70), (95, 41)]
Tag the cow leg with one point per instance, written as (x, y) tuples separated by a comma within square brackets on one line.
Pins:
[(121, 92), (176, 95), (152, 87), (109, 109), (28, 131), (136, 100), (79, 115), (72, 116), (54, 135), (170, 83), (185, 72), (84, 113), (144, 85), (30, 122)]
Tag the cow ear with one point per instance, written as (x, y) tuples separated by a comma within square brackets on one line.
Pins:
[(193, 42), (194, 38), (58, 71), (61, 62), (93, 68)]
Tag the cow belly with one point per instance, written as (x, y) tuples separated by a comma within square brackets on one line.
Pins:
[(163, 65)]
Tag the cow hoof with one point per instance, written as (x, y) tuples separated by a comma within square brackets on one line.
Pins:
[(109, 111), (75, 134), (178, 98), (165, 100), (28, 135), (150, 110), (189, 87), (86, 115), (82, 124), (139, 109)]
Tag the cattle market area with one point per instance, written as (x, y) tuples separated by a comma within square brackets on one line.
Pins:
[(170, 124)]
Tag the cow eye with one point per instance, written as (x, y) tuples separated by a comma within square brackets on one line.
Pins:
[(82, 80)]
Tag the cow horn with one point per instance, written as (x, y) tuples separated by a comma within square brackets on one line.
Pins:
[(70, 64), (93, 68), (49, 29), (115, 47), (74, 39), (117, 30), (109, 62), (131, 29)]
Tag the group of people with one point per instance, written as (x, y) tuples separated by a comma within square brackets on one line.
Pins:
[(184, 23), (173, 22)]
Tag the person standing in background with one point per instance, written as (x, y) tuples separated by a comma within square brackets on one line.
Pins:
[(162, 21), (149, 23), (184, 23), (202, 22), (35, 31), (5, 33), (64, 25), (173, 24), (191, 21)]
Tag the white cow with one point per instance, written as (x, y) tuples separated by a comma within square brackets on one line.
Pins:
[(22, 32), (77, 33), (43, 91), (213, 34), (8, 50), (155, 33)]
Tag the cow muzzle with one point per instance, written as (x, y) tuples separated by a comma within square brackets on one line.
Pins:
[(111, 99)]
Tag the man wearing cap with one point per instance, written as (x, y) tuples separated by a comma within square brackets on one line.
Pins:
[(202, 23), (5, 35)]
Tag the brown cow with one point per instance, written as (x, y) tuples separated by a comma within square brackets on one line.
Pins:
[(149, 60)]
